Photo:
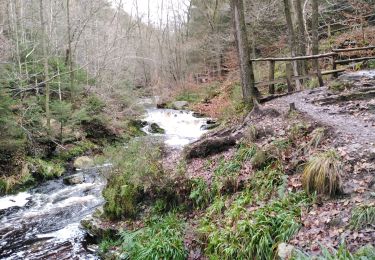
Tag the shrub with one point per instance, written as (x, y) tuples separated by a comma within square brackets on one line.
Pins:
[(322, 174), (160, 239), (363, 216)]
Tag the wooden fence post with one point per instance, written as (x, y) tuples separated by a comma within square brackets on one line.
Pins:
[(334, 66), (289, 75), (271, 77)]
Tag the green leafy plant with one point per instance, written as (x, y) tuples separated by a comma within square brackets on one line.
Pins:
[(159, 239), (200, 193), (363, 216)]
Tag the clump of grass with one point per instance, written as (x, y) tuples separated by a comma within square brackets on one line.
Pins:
[(266, 182), (322, 174), (317, 137), (243, 234), (160, 239), (107, 244), (200, 193), (363, 216)]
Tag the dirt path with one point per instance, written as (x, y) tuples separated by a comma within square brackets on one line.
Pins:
[(352, 121)]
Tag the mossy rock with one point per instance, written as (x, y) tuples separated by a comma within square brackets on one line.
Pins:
[(83, 162), (95, 228), (156, 129), (74, 179)]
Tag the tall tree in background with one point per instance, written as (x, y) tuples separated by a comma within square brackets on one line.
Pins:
[(315, 38), (292, 39), (301, 36), (69, 55), (249, 90), (45, 65)]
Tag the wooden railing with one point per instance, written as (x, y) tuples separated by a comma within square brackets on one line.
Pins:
[(334, 55)]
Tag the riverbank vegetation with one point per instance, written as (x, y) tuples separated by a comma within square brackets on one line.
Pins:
[(280, 177)]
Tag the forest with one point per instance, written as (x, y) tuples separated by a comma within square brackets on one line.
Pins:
[(187, 129)]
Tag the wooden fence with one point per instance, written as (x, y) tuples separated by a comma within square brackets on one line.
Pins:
[(334, 56)]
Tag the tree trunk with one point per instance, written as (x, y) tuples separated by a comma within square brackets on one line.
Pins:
[(315, 38), (301, 35), (292, 40), (45, 62), (249, 90), (69, 52)]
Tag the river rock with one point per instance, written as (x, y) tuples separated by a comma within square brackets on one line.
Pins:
[(198, 115), (83, 162), (156, 129), (74, 179), (209, 126), (96, 229), (179, 105), (285, 251)]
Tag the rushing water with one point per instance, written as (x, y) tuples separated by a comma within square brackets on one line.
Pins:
[(181, 127), (43, 223)]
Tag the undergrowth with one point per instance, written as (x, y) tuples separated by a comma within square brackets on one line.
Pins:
[(363, 216), (342, 253), (161, 238), (246, 230)]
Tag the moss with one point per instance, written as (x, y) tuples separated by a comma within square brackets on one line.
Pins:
[(78, 149)]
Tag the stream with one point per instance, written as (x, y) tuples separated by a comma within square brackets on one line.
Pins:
[(44, 222)]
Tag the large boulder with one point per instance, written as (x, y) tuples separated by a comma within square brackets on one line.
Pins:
[(180, 105), (74, 179), (83, 162)]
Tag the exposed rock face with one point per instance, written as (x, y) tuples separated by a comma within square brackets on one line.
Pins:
[(83, 162), (179, 105), (74, 179)]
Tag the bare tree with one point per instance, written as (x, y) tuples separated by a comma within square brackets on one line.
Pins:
[(249, 90), (45, 64), (292, 39), (315, 38)]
